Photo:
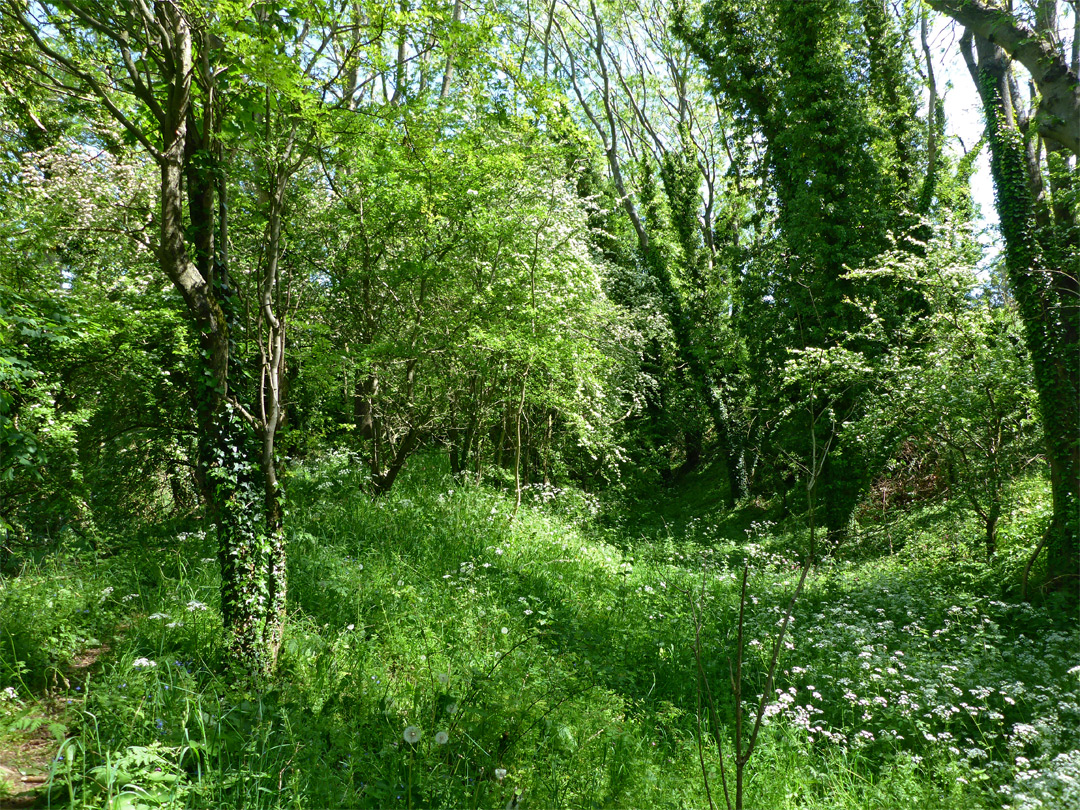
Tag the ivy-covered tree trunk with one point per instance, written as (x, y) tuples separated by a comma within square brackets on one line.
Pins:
[(169, 83), (681, 180), (1043, 272), (245, 507), (837, 133)]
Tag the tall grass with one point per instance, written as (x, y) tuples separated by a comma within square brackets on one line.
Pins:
[(441, 652)]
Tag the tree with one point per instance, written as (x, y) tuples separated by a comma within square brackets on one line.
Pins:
[(167, 74), (1032, 162), (959, 384), (638, 88), (109, 371), (1040, 51), (975, 400), (833, 116), (462, 297)]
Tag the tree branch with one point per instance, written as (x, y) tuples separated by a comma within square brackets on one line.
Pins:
[(92, 83), (1058, 115)]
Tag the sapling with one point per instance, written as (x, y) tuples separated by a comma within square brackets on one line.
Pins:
[(742, 754), (812, 468)]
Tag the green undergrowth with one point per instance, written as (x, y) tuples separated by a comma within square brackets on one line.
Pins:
[(443, 651)]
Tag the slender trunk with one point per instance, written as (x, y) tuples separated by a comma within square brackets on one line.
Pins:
[(517, 444), (400, 68), (384, 481), (991, 529), (547, 448), (933, 126), (364, 405), (448, 71)]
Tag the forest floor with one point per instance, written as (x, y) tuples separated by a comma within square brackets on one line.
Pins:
[(31, 743), (444, 652)]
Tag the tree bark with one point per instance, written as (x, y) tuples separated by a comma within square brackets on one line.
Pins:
[(1045, 284), (1058, 114)]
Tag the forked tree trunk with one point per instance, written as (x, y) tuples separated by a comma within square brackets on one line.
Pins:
[(1045, 284)]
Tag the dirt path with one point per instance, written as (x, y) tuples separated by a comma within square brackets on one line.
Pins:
[(25, 755)]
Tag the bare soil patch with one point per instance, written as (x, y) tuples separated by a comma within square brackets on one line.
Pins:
[(25, 755)]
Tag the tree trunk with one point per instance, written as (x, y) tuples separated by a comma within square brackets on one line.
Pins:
[(383, 481), (991, 529), (1046, 293), (364, 405)]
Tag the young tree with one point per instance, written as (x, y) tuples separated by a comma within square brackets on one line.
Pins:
[(182, 84), (960, 383), (461, 297)]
